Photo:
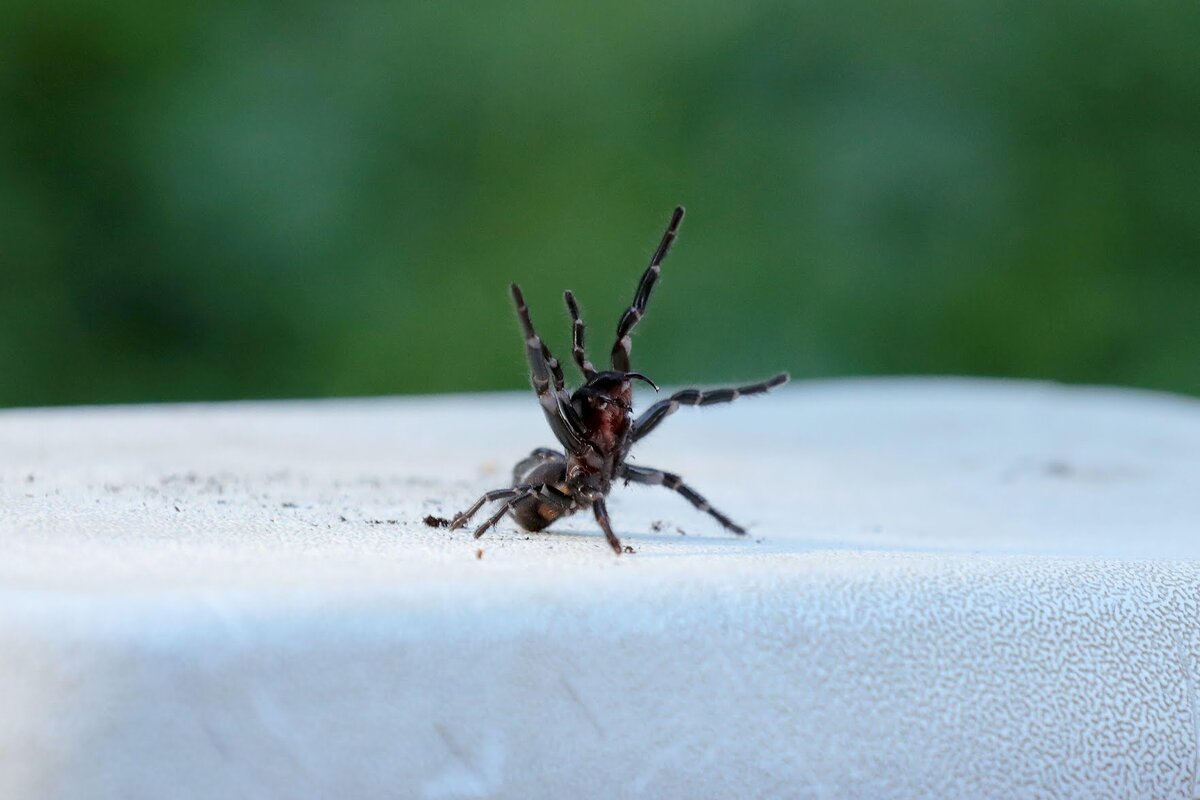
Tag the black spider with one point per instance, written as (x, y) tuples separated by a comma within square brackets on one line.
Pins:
[(595, 424)]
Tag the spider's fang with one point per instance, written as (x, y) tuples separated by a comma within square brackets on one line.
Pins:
[(641, 377)]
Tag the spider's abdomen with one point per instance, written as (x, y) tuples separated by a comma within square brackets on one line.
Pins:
[(533, 513)]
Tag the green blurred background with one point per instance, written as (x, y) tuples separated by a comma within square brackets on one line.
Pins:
[(232, 200)]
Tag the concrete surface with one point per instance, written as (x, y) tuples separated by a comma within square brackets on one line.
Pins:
[(950, 589)]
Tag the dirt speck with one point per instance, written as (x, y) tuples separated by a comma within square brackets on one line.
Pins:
[(629, 549), (657, 525), (287, 505), (437, 522), (479, 554)]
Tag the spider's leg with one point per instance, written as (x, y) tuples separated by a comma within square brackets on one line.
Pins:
[(539, 456), (556, 403), (544, 493), (633, 314), (655, 477), (577, 350), (504, 509), (463, 517), (656, 413), (601, 512)]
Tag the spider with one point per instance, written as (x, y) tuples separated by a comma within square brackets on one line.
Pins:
[(595, 424)]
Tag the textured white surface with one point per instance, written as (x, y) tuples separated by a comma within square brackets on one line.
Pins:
[(951, 589)]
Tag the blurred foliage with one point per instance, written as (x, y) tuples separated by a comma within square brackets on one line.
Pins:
[(262, 200)]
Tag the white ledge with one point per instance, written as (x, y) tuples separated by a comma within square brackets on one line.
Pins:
[(950, 588)]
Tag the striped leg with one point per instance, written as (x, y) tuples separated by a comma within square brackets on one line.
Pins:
[(654, 477), (491, 521), (544, 367), (463, 517), (633, 314), (577, 350), (694, 397), (544, 493), (601, 512)]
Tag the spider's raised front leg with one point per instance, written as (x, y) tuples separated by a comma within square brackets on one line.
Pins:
[(695, 397), (577, 350), (633, 314), (655, 477), (544, 367)]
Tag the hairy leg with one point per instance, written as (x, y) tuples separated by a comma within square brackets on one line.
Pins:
[(577, 350), (543, 368), (504, 509), (656, 413), (633, 314), (540, 492), (601, 512), (656, 477), (463, 517)]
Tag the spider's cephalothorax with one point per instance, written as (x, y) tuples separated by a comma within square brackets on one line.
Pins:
[(595, 424)]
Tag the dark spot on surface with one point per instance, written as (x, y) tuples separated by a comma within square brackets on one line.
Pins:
[(1060, 469), (287, 505), (657, 525), (681, 531), (29, 478), (176, 508), (437, 522), (342, 517), (479, 554), (629, 549)]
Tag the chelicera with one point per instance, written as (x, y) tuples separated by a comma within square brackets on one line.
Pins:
[(595, 424)]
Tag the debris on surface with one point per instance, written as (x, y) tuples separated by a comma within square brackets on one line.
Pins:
[(479, 554), (629, 549), (437, 522)]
